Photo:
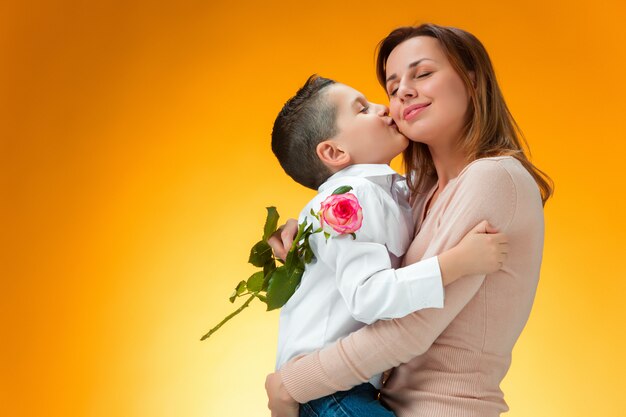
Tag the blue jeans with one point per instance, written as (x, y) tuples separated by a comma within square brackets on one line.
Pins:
[(360, 401)]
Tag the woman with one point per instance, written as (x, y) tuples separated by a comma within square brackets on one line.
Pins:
[(465, 164)]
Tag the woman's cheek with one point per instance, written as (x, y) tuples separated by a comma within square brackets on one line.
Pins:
[(403, 127), (394, 112)]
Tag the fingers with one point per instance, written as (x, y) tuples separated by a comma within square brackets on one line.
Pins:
[(282, 238), (280, 403), (502, 246), (484, 227), (267, 392), (503, 253), (480, 227), (489, 228), (499, 248), (499, 238), (289, 232), (277, 245)]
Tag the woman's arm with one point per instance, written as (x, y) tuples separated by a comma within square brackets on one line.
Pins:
[(485, 190)]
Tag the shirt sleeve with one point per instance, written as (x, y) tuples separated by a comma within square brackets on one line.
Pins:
[(486, 191), (374, 291), (365, 278)]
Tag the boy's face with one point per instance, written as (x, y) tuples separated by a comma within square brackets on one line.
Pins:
[(366, 132)]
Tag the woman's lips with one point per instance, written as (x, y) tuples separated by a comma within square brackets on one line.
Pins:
[(413, 110)]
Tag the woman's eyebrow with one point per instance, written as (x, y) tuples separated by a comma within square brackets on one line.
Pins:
[(411, 65)]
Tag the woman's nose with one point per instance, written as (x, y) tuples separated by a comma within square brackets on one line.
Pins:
[(406, 91)]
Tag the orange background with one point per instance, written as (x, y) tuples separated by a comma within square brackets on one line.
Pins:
[(136, 167)]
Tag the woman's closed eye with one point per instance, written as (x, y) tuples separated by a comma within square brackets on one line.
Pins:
[(422, 74), (365, 109)]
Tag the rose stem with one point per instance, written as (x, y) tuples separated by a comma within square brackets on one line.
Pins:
[(230, 316)]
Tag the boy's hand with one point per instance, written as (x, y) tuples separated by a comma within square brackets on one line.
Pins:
[(281, 239), (280, 402), (481, 251)]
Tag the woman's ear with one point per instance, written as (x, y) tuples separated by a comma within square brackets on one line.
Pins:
[(332, 154)]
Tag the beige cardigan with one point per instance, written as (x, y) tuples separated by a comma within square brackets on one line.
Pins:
[(449, 362)]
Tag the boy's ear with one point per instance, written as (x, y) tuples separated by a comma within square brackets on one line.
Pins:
[(332, 154)]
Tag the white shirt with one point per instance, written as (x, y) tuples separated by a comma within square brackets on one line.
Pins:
[(352, 282)]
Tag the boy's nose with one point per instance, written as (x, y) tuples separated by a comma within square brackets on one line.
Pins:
[(382, 110)]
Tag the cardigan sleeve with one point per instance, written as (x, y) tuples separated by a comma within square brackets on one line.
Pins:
[(485, 190)]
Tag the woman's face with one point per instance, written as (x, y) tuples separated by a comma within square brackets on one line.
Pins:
[(427, 98)]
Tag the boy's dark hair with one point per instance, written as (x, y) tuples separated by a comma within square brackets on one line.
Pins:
[(305, 120)]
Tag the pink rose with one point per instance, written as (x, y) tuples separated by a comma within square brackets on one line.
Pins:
[(341, 213)]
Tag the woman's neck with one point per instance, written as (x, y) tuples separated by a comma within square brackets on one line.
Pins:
[(449, 162)]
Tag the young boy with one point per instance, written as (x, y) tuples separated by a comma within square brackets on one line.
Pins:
[(327, 136)]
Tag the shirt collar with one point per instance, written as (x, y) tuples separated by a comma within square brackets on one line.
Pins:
[(359, 170)]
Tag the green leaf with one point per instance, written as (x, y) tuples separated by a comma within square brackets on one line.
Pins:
[(308, 255), (267, 278), (302, 226), (270, 222), (307, 252), (255, 282), (269, 266), (353, 236), (262, 298), (326, 235), (239, 289), (292, 261), (282, 285), (260, 254), (342, 190), (303, 229)]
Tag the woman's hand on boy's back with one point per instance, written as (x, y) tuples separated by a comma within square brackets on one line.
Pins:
[(282, 239), (280, 402)]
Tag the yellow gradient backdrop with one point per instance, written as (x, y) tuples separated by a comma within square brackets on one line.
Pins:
[(136, 167)]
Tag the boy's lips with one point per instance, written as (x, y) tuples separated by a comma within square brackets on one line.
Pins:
[(413, 110), (391, 123)]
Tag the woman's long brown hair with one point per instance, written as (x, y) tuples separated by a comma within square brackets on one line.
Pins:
[(490, 130)]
